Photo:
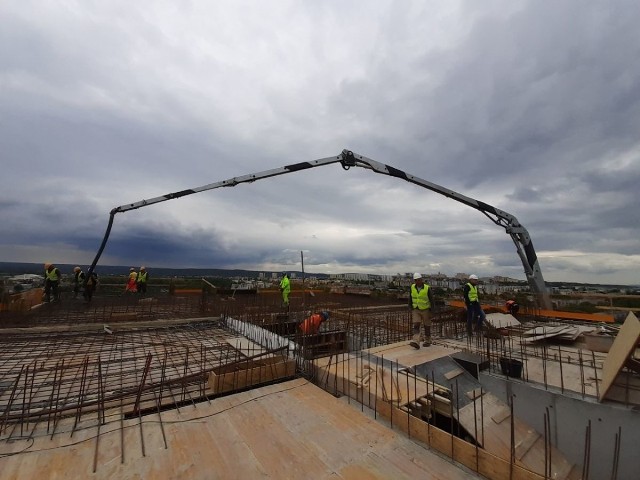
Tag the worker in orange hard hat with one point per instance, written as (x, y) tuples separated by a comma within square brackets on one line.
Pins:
[(311, 325), (51, 282)]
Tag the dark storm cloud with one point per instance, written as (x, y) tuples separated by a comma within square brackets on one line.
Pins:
[(531, 107)]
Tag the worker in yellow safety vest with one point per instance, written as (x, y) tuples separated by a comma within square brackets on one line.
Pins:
[(141, 281), (78, 280), (51, 282), (420, 303), (285, 288), (475, 314)]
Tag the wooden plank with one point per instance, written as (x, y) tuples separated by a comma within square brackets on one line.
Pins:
[(453, 373), (502, 320), (407, 356), (252, 372), (526, 443), (623, 347), (475, 393), (501, 415)]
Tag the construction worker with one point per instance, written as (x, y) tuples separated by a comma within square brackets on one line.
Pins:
[(90, 287), (311, 325), (78, 279), (285, 288), (420, 302), (512, 307), (472, 301), (131, 282), (51, 282), (141, 281)]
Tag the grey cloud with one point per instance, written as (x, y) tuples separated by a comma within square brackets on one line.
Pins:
[(502, 102)]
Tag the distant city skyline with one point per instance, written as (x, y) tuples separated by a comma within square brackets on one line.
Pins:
[(31, 267)]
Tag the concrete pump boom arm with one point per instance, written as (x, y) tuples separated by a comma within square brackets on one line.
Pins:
[(348, 159)]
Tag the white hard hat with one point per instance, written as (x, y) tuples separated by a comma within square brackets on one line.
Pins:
[(416, 276), (473, 277)]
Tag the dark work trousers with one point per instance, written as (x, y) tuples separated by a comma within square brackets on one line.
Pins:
[(51, 287), (474, 312)]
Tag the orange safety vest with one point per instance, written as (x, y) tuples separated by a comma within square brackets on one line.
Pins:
[(312, 324)]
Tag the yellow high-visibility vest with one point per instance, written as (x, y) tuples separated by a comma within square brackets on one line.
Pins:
[(473, 293), (420, 299), (52, 275), (285, 285)]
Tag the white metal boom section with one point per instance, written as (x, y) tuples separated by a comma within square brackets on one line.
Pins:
[(348, 159)]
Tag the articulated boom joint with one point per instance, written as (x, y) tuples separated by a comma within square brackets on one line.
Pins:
[(348, 159)]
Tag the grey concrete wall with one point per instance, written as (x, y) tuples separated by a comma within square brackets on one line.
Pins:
[(569, 416)]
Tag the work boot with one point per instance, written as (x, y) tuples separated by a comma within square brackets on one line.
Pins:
[(417, 338), (427, 336)]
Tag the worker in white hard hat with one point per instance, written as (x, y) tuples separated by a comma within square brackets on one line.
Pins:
[(420, 303), (141, 281), (475, 315)]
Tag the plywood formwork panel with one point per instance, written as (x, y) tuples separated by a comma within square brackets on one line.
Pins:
[(502, 320), (289, 430), (407, 356), (491, 419), (622, 349), (347, 374), (238, 376)]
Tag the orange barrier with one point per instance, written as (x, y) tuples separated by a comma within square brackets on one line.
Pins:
[(187, 291), (586, 317)]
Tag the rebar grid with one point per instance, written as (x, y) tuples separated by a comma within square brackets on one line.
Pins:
[(105, 309), (53, 375)]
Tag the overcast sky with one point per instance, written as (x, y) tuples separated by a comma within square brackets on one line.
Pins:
[(532, 107)]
